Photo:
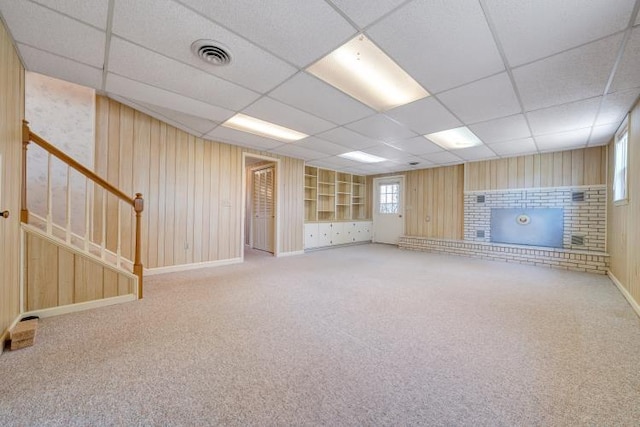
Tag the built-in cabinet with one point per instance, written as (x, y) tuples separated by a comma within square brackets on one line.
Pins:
[(334, 208), (321, 234)]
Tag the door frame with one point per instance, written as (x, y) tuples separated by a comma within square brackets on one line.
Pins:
[(375, 201), (276, 195)]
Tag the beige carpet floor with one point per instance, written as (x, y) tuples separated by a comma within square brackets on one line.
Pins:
[(364, 335)]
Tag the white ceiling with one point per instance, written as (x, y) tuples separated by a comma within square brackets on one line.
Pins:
[(525, 76)]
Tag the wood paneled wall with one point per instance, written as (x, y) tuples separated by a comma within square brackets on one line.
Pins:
[(434, 202), (623, 221), (56, 276), (11, 115), (586, 166), (192, 189)]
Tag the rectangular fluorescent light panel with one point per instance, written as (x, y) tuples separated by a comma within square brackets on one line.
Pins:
[(360, 69), (361, 157), (455, 139), (259, 127)]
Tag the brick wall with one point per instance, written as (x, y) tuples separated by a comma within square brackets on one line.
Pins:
[(567, 259), (586, 219)]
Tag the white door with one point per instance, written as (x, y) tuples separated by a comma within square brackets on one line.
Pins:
[(388, 209), (263, 214)]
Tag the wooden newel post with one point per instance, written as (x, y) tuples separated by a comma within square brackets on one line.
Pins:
[(26, 137), (138, 206)]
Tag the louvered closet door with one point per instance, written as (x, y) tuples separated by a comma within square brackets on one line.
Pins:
[(263, 209)]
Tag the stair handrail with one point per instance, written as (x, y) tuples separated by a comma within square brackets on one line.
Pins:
[(137, 202)]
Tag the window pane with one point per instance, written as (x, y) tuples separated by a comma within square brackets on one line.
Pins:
[(620, 167)]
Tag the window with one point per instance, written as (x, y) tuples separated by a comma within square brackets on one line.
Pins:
[(389, 198), (620, 165)]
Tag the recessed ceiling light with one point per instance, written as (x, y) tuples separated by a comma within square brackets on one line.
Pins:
[(361, 157), (360, 69), (259, 127), (455, 139)]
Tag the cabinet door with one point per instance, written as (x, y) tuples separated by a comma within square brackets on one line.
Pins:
[(311, 236), (324, 234), (339, 234), (363, 231)]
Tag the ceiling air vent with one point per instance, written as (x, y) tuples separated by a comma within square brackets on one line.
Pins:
[(211, 52)]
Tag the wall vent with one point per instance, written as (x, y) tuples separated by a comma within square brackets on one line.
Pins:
[(577, 240), (577, 196), (480, 199), (480, 233)]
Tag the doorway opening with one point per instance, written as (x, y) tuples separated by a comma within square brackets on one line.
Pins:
[(260, 211)]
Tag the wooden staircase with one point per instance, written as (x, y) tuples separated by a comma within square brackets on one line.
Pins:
[(63, 267)]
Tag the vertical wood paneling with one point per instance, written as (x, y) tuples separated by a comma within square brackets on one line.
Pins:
[(568, 168), (11, 115), (192, 189), (623, 222), (434, 202), (88, 280), (56, 276), (66, 269), (42, 273)]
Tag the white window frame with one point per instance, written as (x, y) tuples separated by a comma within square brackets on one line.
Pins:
[(620, 179)]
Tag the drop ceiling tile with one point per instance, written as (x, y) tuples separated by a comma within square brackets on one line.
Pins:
[(628, 72), (480, 152), (316, 97), (365, 12), (504, 129), (602, 135), (165, 26), (303, 35), (348, 138), (317, 144), (485, 99), (137, 63), (59, 67), (563, 140), (575, 115), (199, 125), (298, 152), (243, 139), (136, 105), (424, 116), (386, 152), (442, 158), (381, 127), (418, 145), (516, 147), (569, 76), (281, 114), (92, 12), (44, 29), (532, 30), (616, 105), (137, 91), (453, 34), (335, 162)]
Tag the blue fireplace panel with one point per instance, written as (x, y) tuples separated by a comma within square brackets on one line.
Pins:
[(534, 227)]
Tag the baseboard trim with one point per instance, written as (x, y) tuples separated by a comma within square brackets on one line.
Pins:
[(193, 266), (633, 303), (81, 306), (294, 253)]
